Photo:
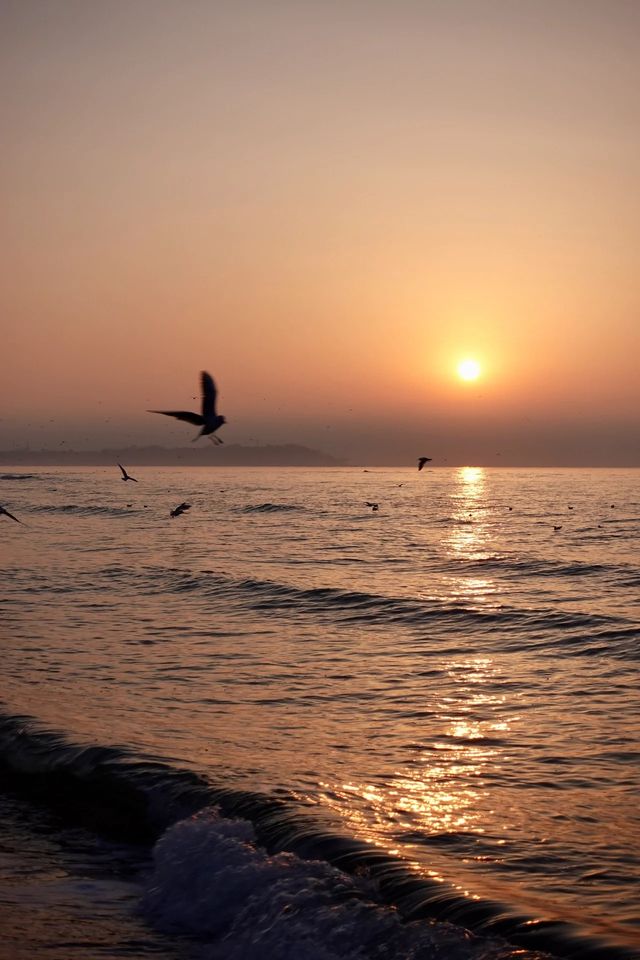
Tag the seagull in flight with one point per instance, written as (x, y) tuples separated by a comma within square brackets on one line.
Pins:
[(6, 513), (182, 507), (422, 461), (125, 475), (208, 419)]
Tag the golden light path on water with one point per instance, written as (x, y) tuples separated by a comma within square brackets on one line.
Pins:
[(441, 793)]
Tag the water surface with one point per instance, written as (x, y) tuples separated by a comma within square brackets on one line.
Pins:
[(449, 680)]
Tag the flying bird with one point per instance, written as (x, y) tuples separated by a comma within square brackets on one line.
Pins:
[(125, 475), (182, 507), (422, 461), (374, 506), (558, 527), (208, 419), (7, 514)]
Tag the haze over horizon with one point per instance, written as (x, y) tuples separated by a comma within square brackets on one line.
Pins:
[(328, 206)]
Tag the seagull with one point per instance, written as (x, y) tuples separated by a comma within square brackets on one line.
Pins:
[(125, 475), (374, 506), (7, 514), (208, 420), (422, 461), (181, 508)]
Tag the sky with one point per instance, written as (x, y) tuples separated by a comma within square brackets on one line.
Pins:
[(328, 205)]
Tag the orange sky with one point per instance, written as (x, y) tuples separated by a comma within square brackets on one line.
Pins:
[(327, 205)]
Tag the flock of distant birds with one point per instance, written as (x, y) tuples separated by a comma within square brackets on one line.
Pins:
[(209, 421)]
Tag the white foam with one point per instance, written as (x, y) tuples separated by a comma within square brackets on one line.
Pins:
[(212, 881)]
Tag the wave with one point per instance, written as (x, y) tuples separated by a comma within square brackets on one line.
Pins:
[(270, 508), (498, 626), (83, 510), (19, 476), (503, 563), (260, 871), (213, 881), (512, 627)]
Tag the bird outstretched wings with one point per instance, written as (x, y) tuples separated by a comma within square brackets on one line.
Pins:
[(193, 418), (6, 513), (209, 394), (208, 419)]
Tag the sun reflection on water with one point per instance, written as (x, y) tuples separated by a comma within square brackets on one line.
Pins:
[(442, 793), (468, 540)]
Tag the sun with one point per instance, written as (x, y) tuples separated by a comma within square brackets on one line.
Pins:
[(469, 369)]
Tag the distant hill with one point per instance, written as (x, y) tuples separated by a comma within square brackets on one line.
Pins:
[(231, 455)]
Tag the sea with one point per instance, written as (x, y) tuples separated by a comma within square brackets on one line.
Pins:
[(285, 725)]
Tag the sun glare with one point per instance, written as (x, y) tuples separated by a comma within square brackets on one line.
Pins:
[(469, 369)]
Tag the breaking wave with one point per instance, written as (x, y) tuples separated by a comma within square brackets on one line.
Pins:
[(258, 876)]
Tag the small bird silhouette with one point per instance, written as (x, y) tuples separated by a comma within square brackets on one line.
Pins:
[(181, 508), (374, 506), (559, 527), (6, 513), (422, 461), (125, 475), (209, 419)]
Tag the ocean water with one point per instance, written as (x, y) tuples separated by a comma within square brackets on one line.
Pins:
[(286, 725)]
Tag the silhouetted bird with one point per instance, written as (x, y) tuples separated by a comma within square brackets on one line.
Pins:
[(209, 419), (6, 513), (559, 527), (374, 506), (125, 475), (181, 508), (422, 461)]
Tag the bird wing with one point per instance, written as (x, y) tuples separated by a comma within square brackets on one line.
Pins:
[(184, 506), (193, 418), (209, 394), (124, 472), (7, 514)]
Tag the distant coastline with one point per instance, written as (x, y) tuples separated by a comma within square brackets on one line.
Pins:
[(232, 455)]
